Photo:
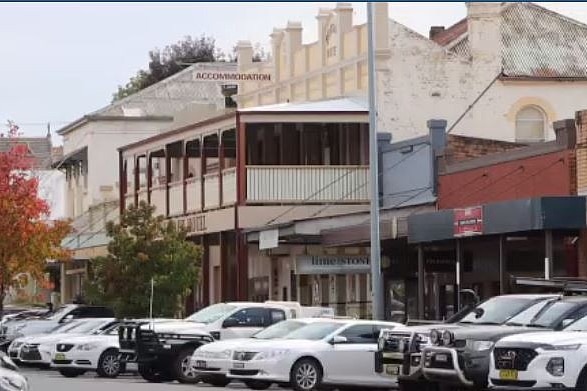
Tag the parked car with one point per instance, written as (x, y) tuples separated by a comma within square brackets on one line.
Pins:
[(329, 353), (163, 350), (212, 361), (10, 378), (37, 349), (400, 350), (461, 357), (541, 360)]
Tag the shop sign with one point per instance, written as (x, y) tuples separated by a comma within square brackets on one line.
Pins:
[(468, 221), (232, 76), (333, 264), (192, 224), (268, 239)]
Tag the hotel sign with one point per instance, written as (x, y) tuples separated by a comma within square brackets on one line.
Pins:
[(232, 76), (468, 221), (192, 224), (333, 264)]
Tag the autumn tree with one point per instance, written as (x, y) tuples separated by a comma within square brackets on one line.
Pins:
[(29, 239), (172, 59), (144, 247)]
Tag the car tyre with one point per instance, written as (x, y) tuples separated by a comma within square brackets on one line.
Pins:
[(109, 364), (71, 372), (217, 381), (306, 375), (257, 384), (153, 374), (182, 367)]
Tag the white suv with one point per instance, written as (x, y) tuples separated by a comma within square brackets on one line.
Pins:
[(332, 351), (545, 360)]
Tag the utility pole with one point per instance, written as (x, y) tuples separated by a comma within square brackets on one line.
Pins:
[(376, 278)]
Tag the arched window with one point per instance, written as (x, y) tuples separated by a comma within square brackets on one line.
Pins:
[(530, 122)]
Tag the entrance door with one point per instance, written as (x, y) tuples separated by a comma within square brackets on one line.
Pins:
[(441, 296)]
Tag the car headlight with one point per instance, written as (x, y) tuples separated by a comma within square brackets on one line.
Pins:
[(447, 338), (87, 346), (562, 347), (479, 345), (556, 366), (271, 354), (435, 337), (13, 382)]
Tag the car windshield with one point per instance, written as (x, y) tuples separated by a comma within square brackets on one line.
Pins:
[(113, 330), (85, 326), (314, 331), (578, 325), (279, 330), (59, 313), (497, 310), (525, 317), (549, 317), (211, 314), (64, 327)]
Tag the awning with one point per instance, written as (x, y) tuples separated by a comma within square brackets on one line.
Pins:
[(534, 214), (72, 158)]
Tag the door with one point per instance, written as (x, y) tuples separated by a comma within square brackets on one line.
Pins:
[(351, 362)]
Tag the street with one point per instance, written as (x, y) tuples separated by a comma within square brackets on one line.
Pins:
[(47, 380)]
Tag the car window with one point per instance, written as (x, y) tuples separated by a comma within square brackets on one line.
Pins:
[(276, 316), (211, 314), (498, 309), (250, 317), (279, 330), (362, 333)]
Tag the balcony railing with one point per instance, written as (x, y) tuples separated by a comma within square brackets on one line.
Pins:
[(312, 184), (176, 198), (129, 200), (194, 194), (211, 191), (158, 200), (143, 195), (229, 186)]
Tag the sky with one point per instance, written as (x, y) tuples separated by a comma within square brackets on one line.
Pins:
[(63, 60)]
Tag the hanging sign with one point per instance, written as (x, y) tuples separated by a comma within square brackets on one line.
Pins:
[(468, 221)]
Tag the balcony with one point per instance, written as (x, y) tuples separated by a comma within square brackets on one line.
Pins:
[(229, 186), (158, 199), (312, 184), (176, 198), (211, 191), (194, 194), (143, 195)]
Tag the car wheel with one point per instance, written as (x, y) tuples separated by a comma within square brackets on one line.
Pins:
[(306, 375), (109, 364), (417, 386), (257, 384), (153, 374), (71, 372), (217, 381), (182, 367)]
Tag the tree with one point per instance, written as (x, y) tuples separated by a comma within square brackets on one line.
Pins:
[(144, 247), (169, 61), (259, 53), (28, 238)]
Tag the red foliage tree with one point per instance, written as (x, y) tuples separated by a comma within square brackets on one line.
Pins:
[(28, 238)]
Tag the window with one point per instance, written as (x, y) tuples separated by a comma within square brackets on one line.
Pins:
[(530, 124), (277, 316), (363, 333), (251, 317)]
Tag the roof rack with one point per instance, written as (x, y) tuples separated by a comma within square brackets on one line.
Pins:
[(560, 284)]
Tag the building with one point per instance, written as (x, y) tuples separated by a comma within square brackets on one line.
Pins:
[(90, 159), (512, 62)]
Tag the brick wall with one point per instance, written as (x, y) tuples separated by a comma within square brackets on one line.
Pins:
[(581, 120), (460, 148)]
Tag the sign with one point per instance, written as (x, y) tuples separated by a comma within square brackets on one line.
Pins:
[(333, 264), (192, 224), (468, 221), (268, 239), (232, 76)]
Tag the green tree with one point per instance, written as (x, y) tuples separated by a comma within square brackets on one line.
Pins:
[(144, 247), (172, 59)]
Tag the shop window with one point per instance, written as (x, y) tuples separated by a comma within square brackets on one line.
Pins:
[(530, 124)]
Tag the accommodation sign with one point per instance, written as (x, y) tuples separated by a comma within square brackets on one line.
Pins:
[(232, 76), (468, 221), (333, 264)]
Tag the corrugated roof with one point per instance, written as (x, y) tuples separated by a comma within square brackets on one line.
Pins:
[(352, 104)]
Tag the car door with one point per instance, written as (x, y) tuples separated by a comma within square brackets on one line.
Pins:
[(245, 322), (351, 361)]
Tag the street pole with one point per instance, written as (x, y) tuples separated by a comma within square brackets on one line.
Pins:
[(376, 280)]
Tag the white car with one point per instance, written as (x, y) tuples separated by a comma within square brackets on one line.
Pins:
[(212, 361), (74, 356), (331, 352), (10, 379), (36, 349), (545, 360)]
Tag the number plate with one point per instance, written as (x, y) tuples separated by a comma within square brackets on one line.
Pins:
[(238, 365), (392, 370), (508, 374), (441, 357), (201, 364), (60, 356)]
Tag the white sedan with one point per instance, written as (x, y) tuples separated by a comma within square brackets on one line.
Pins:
[(212, 361), (332, 352), (75, 356), (545, 360)]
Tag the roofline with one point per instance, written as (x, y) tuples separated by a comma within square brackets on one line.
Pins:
[(542, 78), (91, 117), (298, 112), (175, 131)]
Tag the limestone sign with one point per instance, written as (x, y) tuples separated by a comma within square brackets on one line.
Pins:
[(332, 264), (232, 76)]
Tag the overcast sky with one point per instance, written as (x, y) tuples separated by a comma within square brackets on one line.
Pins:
[(60, 61)]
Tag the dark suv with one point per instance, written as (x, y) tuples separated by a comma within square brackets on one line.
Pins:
[(461, 357), (400, 350)]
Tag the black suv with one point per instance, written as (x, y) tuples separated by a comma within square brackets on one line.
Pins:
[(461, 357), (400, 350)]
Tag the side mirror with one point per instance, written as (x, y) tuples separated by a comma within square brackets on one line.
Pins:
[(229, 322), (337, 339)]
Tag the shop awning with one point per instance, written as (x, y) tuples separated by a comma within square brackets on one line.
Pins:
[(534, 214), (72, 158)]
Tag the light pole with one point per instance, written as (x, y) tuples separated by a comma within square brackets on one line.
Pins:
[(376, 279)]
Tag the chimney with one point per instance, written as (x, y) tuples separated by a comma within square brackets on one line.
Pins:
[(435, 30), (344, 16), (244, 53), (484, 30), (381, 32), (566, 133), (293, 43), (276, 42), (322, 18)]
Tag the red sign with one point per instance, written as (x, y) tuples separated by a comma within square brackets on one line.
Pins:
[(468, 221)]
